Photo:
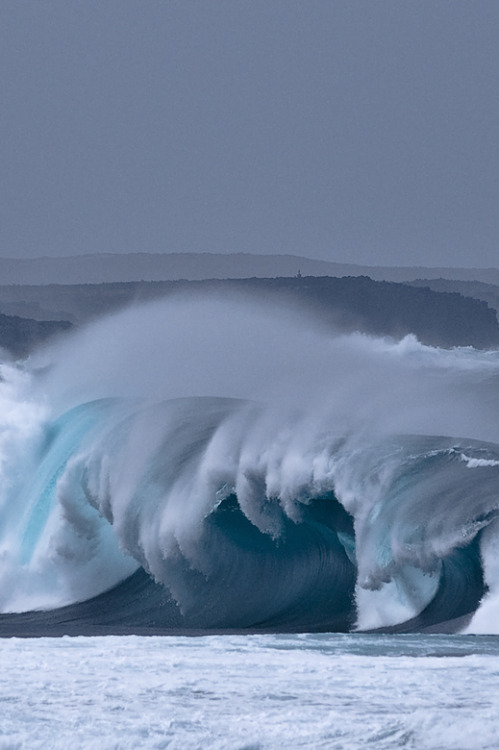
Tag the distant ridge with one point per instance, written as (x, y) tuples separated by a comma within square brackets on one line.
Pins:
[(347, 304), (108, 267)]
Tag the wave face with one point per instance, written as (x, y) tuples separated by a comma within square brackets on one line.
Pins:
[(217, 465)]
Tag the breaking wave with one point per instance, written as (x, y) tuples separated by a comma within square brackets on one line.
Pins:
[(221, 465)]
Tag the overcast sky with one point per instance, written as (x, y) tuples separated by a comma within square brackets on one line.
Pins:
[(348, 130)]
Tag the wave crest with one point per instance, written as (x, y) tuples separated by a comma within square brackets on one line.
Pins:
[(316, 506)]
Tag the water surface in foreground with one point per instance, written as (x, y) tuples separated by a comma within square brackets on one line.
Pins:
[(251, 692)]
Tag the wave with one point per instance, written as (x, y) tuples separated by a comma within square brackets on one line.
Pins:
[(216, 465)]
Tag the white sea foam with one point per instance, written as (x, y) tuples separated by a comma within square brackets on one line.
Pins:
[(474, 463), (258, 692)]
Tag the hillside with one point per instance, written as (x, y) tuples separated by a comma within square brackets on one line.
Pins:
[(349, 304), (488, 293)]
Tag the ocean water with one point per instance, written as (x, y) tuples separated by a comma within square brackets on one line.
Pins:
[(247, 692), (224, 525), (216, 466)]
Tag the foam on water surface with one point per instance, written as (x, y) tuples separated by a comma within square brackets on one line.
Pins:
[(241, 692)]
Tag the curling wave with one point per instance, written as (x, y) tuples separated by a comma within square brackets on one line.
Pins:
[(293, 480)]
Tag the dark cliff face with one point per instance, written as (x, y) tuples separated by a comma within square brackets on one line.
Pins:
[(488, 293), (348, 304)]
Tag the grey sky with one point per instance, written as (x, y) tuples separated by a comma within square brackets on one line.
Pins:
[(348, 130)]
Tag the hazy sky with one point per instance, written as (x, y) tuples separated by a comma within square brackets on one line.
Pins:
[(349, 130)]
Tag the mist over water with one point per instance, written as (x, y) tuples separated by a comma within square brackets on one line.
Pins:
[(217, 443), (238, 349)]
